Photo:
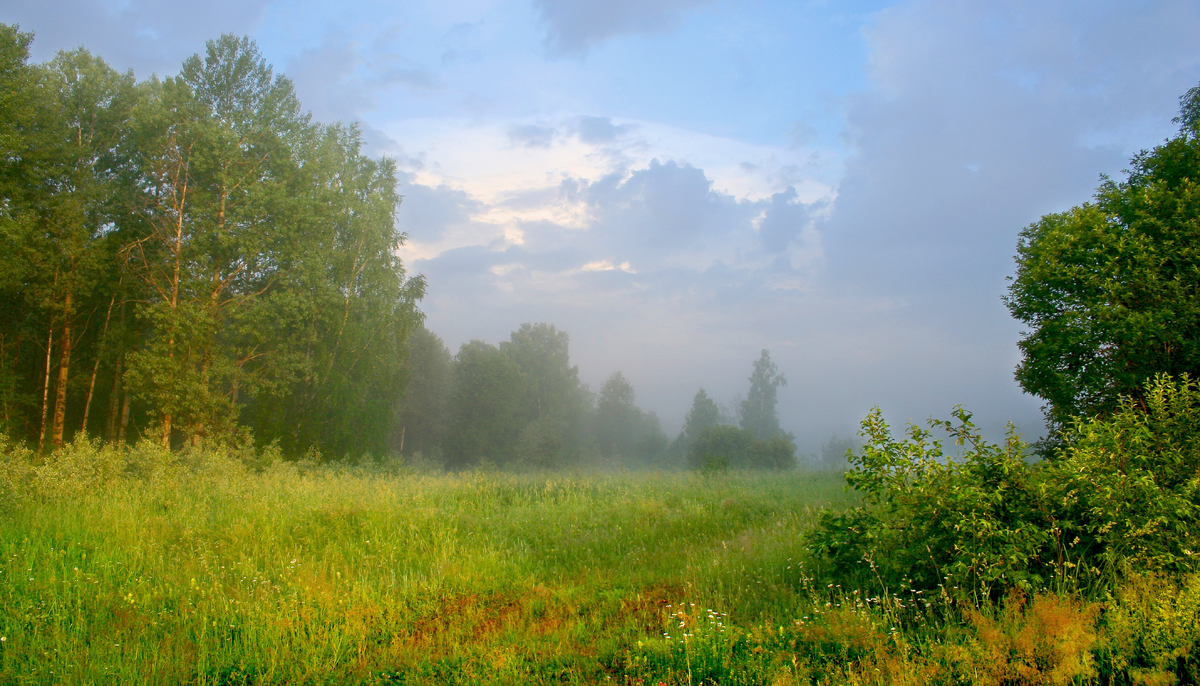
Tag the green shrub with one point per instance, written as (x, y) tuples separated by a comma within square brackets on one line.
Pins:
[(1122, 492), (974, 519), (1126, 490)]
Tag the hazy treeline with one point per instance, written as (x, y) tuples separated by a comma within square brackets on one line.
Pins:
[(192, 257), (521, 404)]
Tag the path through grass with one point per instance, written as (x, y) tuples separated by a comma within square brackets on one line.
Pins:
[(151, 569)]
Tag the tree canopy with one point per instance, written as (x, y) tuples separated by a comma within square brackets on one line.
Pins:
[(192, 257), (1111, 289)]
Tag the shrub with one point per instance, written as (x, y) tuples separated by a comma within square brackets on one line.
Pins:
[(1126, 489), (1123, 492), (728, 447), (928, 516)]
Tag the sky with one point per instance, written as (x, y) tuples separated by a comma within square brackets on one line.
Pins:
[(680, 184)]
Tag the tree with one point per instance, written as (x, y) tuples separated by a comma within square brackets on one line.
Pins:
[(485, 406), (1111, 289), (704, 415), (728, 447), (624, 433), (554, 404), (230, 263), (216, 147), (421, 411), (617, 417), (758, 409), (835, 454)]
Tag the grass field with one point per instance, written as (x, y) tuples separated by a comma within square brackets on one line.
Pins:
[(150, 568)]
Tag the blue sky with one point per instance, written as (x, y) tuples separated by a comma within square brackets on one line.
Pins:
[(681, 183)]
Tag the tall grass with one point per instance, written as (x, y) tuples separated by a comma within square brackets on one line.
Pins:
[(234, 567), (149, 567)]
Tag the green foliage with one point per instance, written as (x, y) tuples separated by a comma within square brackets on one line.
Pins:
[(1110, 289), (1120, 495), (192, 256), (486, 402), (728, 447), (929, 517), (1126, 490), (422, 410), (704, 415), (624, 433)]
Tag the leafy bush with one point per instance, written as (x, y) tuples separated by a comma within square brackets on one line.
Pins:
[(1122, 492), (928, 516), (1126, 490)]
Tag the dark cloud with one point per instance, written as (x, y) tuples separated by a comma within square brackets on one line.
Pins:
[(148, 36), (574, 26), (532, 135), (977, 122), (662, 209)]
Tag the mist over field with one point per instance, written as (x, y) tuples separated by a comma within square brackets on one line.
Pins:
[(526, 341), (679, 185)]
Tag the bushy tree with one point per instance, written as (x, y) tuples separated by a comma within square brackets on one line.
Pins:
[(624, 433), (555, 403), (704, 415), (195, 254), (728, 447), (1110, 290)]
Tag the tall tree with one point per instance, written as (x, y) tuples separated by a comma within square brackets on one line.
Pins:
[(758, 409), (19, 169), (624, 433), (485, 406), (217, 148), (555, 403), (421, 412), (87, 106), (704, 415), (1111, 289)]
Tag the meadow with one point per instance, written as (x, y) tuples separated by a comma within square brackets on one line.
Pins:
[(143, 566)]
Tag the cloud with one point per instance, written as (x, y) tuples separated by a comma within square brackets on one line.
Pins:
[(575, 26), (977, 122), (415, 78), (148, 36), (532, 135), (599, 130), (784, 220)]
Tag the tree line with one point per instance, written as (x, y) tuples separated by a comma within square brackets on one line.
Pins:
[(521, 404), (193, 258)]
